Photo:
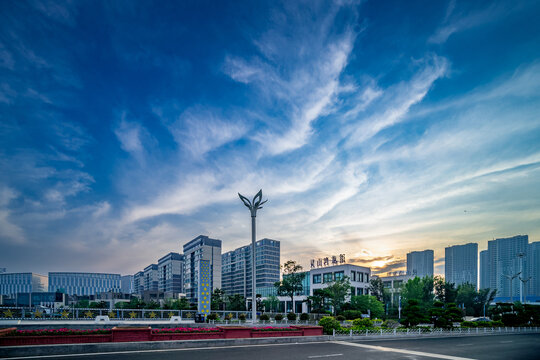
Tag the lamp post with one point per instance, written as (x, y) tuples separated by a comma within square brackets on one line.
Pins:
[(520, 256), (524, 282), (253, 206), (511, 278)]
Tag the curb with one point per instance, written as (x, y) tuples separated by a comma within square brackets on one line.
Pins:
[(74, 349)]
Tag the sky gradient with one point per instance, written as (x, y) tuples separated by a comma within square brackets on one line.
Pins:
[(374, 128)]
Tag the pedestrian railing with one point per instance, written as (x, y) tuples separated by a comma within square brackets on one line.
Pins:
[(431, 332)]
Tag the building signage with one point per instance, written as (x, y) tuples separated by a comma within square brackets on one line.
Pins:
[(328, 261)]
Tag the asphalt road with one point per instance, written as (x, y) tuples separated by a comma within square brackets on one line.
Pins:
[(522, 347)]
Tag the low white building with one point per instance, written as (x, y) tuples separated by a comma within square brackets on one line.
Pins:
[(359, 277), (394, 283)]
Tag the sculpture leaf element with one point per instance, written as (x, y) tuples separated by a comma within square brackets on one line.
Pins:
[(245, 200)]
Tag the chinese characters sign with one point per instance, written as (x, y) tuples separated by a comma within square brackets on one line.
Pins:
[(327, 261)]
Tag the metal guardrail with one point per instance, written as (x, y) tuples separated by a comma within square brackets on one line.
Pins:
[(431, 332)]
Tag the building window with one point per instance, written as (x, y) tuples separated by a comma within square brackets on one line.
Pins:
[(353, 273), (338, 275), (328, 277), (367, 277), (317, 279), (360, 277)]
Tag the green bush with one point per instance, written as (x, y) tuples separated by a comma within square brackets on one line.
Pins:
[(363, 323), (468, 324), (291, 316), (212, 316), (340, 318), (390, 324), (242, 317), (352, 314), (264, 317), (304, 316), (329, 324), (278, 317), (497, 323)]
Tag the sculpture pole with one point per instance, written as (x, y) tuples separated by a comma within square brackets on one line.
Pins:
[(253, 206)]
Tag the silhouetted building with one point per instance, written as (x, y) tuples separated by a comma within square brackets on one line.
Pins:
[(461, 264), (126, 284), (420, 263), (504, 260), (484, 269), (151, 278)]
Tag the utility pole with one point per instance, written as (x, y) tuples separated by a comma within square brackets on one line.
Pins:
[(253, 206), (520, 256)]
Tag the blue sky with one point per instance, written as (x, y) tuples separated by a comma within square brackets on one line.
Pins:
[(373, 127)]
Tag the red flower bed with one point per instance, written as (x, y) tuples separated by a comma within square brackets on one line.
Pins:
[(271, 328), (58, 332), (184, 330)]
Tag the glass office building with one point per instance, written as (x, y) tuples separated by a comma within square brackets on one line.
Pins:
[(170, 273), (420, 263), (236, 270), (13, 283), (76, 283)]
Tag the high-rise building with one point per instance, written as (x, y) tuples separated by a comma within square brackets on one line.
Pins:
[(461, 264), (504, 262), (420, 263), (13, 283), (236, 270), (201, 252), (170, 271), (126, 284), (76, 283), (533, 285), (151, 278), (484, 269), (138, 282)]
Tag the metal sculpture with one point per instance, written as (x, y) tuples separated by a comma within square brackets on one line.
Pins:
[(253, 206)]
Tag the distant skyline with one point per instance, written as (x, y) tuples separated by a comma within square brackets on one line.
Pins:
[(373, 128)]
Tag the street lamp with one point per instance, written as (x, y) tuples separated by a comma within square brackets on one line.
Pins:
[(520, 256), (253, 206), (525, 281), (511, 278)]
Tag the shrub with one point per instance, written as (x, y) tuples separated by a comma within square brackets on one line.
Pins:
[(352, 314), (340, 318), (212, 316), (304, 316), (229, 316), (390, 324), (329, 324), (264, 317), (363, 323), (497, 323), (291, 316), (278, 317), (242, 317), (468, 324)]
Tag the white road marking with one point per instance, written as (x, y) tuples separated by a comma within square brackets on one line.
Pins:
[(464, 344), (322, 356), (506, 341), (158, 350), (402, 351)]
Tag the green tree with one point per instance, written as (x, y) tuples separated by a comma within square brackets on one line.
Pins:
[(420, 289), (444, 291), (368, 303), (99, 305), (271, 303), (218, 299), (236, 303), (337, 292), (291, 283), (413, 314), (377, 289), (178, 304), (82, 304), (444, 315), (318, 301)]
